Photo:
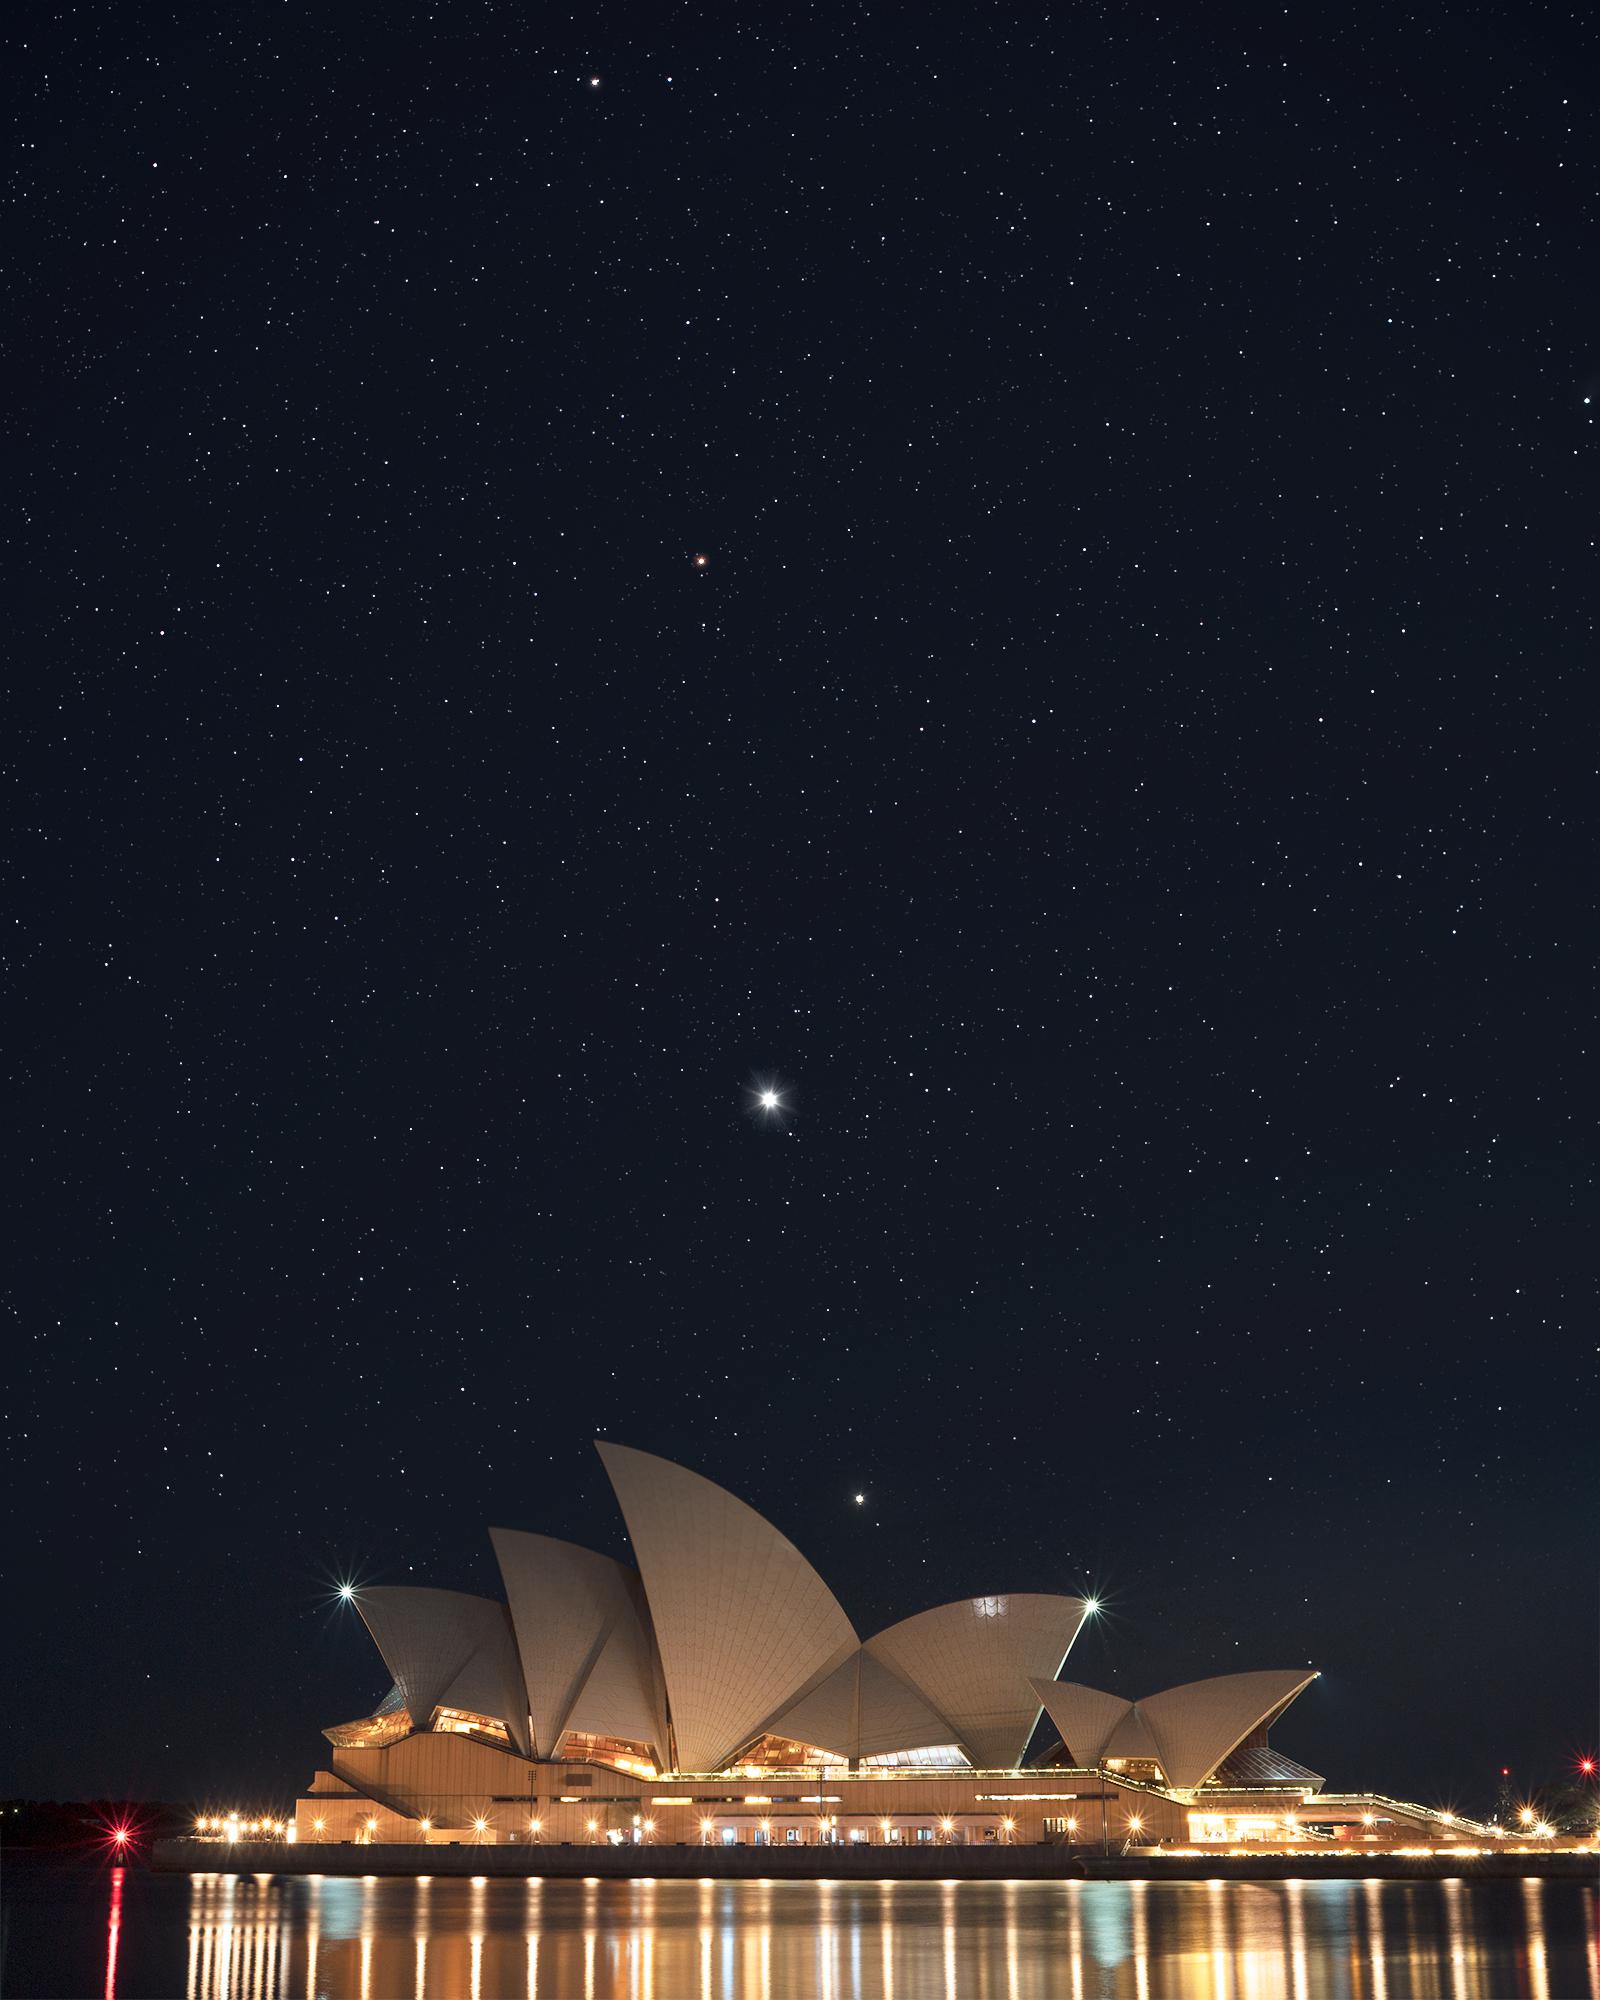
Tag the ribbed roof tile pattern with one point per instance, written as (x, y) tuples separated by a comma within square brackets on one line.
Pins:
[(581, 1631), (443, 1646), (743, 1623), (974, 1661)]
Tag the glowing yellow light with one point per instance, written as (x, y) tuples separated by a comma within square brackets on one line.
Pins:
[(372, 1826), (427, 1826), (480, 1825), (1527, 1815), (1134, 1823), (1369, 1819), (533, 1825), (947, 1826), (320, 1825), (650, 1825), (1072, 1824)]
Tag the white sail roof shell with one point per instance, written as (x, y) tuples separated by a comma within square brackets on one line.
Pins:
[(974, 1661), (1086, 1718), (1195, 1726), (443, 1646), (743, 1623), (1187, 1730), (583, 1633)]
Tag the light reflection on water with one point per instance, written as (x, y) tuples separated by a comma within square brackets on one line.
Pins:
[(280, 1938)]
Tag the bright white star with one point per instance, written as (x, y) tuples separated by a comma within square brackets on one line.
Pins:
[(768, 1100)]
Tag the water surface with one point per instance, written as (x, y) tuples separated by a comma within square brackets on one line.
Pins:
[(75, 1930)]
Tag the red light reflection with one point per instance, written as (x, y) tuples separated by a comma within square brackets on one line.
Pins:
[(114, 1930)]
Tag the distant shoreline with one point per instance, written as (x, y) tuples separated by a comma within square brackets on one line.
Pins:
[(853, 1864)]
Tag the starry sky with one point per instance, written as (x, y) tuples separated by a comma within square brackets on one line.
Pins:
[(1122, 771)]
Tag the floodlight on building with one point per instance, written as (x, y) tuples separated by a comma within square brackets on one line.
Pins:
[(1527, 1815), (535, 1826), (1091, 1605), (427, 1826)]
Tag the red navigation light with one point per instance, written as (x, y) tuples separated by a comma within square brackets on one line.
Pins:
[(1586, 1766)]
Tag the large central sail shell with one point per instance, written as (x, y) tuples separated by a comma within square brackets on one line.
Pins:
[(743, 1623)]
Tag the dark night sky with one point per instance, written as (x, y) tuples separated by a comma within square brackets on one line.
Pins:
[(1127, 764)]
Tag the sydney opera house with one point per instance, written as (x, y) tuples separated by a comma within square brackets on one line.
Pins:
[(719, 1693)]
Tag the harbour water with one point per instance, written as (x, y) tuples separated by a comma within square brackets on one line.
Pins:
[(77, 1929)]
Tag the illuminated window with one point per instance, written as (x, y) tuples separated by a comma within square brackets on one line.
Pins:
[(464, 1722)]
